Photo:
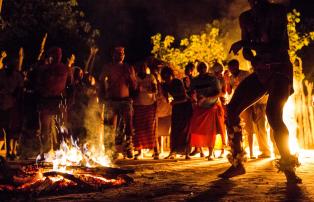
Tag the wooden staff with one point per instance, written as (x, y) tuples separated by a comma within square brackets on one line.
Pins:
[(91, 66), (89, 62), (42, 47), (3, 55), (5, 139), (0, 5), (21, 58)]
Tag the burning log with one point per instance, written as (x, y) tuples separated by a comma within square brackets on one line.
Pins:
[(68, 176)]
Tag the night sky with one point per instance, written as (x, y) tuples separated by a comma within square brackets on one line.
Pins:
[(131, 22)]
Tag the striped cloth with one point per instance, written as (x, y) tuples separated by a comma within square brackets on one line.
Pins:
[(144, 126)]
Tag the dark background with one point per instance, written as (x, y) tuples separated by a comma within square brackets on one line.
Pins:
[(131, 23)]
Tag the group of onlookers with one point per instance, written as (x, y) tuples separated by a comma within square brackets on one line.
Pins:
[(147, 105)]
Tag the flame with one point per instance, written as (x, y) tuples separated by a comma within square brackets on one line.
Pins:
[(291, 123), (70, 154), (289, 119)]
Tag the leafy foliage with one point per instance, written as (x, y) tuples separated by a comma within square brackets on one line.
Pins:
[(297, 41), (205, 47), (25, 22)]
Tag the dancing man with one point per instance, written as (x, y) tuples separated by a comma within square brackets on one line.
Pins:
[(264, 30)]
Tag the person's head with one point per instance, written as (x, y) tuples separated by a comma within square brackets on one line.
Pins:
[(188, 70), (166, 74), (202, 68), (118, 54), (54, 55), (233, 66), (218, 68)]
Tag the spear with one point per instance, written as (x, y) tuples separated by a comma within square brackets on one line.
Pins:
[(42, 46)]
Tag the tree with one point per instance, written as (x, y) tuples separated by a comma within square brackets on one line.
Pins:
[(205, 47), (301, 100), (25, 22)]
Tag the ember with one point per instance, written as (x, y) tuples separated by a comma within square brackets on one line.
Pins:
[(68, 170), (40, 182)]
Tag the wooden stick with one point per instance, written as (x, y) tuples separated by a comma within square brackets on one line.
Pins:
[(21, 58), (3, 55), (94, 51), (0, 6), (42, 47)]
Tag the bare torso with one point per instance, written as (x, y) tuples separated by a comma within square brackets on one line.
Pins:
[(117, 78)]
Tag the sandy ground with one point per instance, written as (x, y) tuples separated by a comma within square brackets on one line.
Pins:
[(196, 180)]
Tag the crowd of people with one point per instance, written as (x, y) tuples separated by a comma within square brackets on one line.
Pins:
[(147, 105)]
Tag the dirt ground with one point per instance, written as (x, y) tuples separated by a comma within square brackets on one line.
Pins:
[(196, 180)]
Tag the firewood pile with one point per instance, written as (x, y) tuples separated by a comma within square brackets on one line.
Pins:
[(38, 180)]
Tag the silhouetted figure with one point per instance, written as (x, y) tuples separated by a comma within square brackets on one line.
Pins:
[(52, 83), (264, 30), (180, 116), (11, 88)]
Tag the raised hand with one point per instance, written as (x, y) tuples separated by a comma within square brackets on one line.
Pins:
[(236, 47)]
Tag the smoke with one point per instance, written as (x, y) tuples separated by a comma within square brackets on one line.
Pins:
[(100, 137)]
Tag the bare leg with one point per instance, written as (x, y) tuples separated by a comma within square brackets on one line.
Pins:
[(247, 118), (248, 92), (278, 95)]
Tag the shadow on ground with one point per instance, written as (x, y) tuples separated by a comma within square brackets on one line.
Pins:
[(289, 192), (218, 189)]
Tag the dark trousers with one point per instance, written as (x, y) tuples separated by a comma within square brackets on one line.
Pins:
[(122, 115), (249, 92)]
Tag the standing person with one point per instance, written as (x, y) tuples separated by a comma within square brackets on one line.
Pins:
[(11, 88), (208, 114), (188, 71), (202, 70), (145, 112), (237, 76), (180, 116), (264, 30), (52, 83), (116, 80), (163, 112), (29, 145)]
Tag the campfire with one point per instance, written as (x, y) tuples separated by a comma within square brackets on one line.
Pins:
[(70, 169)]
